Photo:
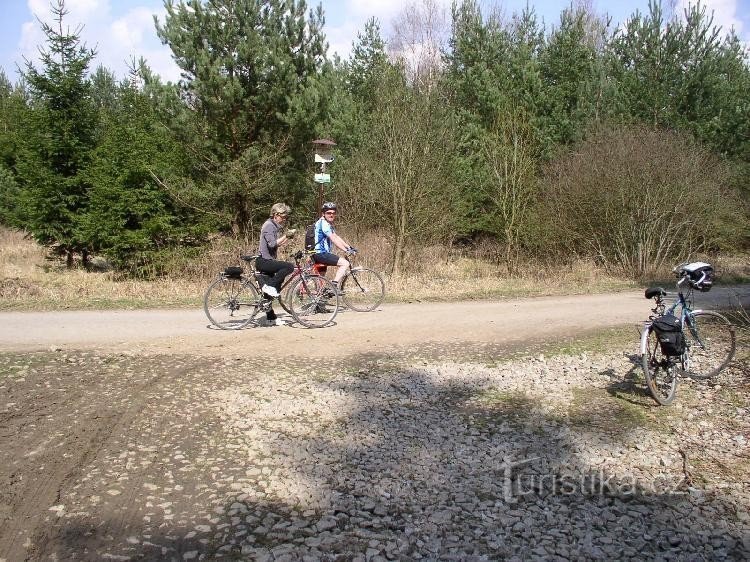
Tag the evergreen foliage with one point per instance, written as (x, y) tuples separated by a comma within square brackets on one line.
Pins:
[(58, 138), (130, 218), (251, 77), (631, 146)]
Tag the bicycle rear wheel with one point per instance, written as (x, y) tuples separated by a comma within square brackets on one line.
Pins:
[(230, 303), (313, 301), (711, 343), (661, 371), (362, 289)]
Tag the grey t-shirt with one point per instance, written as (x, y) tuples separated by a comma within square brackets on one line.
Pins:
[(268, 236)]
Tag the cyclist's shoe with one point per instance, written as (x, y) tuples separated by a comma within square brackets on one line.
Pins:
[(329, 293), (270, 291), (321, 309), (278, 322)]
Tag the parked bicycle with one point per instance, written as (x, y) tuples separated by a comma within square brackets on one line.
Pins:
[(678, 340), (234, 298)]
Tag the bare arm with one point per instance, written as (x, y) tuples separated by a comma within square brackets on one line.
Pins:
[(338, 241)]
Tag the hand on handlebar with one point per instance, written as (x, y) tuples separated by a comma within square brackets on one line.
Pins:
[(351, 251)]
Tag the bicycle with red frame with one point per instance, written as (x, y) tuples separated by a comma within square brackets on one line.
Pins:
[(234, 298)]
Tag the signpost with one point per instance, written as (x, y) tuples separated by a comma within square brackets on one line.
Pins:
[(323, 156)]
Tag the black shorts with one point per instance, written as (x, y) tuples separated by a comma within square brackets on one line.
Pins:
[(326, 258)]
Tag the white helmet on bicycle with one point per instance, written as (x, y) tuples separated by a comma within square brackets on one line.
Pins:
[(700, 275)]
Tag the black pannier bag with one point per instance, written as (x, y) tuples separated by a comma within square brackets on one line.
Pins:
[(669, 333), (233, 272)]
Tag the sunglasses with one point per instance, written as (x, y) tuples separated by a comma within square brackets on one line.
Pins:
[(330, 213)]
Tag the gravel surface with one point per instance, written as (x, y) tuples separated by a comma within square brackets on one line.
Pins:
[(420, 454)]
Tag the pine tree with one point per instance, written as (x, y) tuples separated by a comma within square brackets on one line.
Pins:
[(569, 69), (367, 64), (57, 140), (351, 87), (130, 218), (252, 72), (679, 73)]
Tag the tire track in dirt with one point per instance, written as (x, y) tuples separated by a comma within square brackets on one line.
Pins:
[(142, 497), (62, 438)]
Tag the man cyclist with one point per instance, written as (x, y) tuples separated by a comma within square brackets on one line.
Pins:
[(271, 238), (326, 238)]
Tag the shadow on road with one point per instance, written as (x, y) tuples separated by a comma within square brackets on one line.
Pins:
[(439, 461)]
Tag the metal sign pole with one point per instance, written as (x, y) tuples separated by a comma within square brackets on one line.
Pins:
[(323, 156)]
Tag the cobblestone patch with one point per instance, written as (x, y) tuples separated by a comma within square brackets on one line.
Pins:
[(379, 458)]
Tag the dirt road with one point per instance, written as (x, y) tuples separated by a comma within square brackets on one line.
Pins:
[(393, 326), (147, 435)]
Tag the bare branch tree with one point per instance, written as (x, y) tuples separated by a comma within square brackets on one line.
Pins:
[(420, 32), (508, 154)]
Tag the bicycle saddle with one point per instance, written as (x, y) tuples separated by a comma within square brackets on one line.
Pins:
[(250, 258), (652, 292)]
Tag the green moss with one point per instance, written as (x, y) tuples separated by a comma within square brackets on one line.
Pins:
[(493, 406), (595, 408), (601, 340)]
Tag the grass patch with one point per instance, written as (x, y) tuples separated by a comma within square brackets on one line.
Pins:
[(492, 406), (30, 281), (600, 341), (596, 408), (12, 364)]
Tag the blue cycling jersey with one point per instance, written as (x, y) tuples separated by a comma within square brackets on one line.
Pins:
[(323, 229)]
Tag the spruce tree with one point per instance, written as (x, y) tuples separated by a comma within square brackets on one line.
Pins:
[(569, 68), (57, 140), (130, 218)]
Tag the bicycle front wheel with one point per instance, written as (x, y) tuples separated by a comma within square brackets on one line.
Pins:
[(285, 298), (711, 343), (362, 289), (231, 304), (660, 370), (313, 301)]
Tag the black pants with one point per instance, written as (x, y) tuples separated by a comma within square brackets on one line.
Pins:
[(277, 271)]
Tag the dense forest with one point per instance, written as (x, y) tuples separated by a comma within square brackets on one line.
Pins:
[(628, 145)]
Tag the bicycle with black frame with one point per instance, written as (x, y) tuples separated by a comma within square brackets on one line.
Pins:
[(234, 299)]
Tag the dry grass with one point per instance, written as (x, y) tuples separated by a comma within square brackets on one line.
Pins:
[(28, 280)]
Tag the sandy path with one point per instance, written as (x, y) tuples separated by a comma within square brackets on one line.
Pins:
[(392, 326)]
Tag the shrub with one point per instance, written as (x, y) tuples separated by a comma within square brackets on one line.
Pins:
[(636, 198)]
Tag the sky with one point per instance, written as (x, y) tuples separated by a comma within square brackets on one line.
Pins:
[(121, 30)]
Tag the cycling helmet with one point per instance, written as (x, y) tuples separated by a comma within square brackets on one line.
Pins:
[(700, 275), (328, 206)]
